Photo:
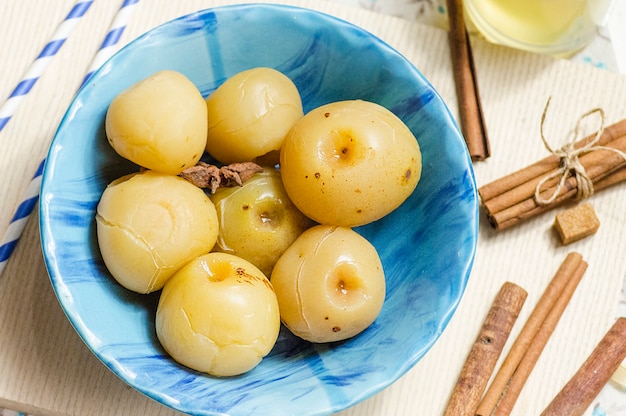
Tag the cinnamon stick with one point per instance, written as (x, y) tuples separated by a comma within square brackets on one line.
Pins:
[(519, 203), (470, 108), (612, 179), (546, 165), (545, 304), (536, 346), (580, 391), (486, 350)]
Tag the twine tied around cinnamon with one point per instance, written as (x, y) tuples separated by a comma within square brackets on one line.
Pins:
[(569, 162)]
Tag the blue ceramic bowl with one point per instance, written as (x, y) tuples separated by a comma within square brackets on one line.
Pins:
[(427, 245)]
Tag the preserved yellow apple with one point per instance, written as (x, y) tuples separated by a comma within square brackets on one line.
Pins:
[(330, 284), (250, 115), (159, 123), (149, 225), (349, 163), (258, 221), (218, 315)]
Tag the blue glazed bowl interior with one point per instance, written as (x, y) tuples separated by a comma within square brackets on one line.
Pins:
[(427, 245)]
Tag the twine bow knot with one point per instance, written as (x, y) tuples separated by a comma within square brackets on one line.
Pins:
[(569, 160)]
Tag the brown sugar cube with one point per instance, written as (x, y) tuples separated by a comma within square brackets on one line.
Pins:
[(576, 223)]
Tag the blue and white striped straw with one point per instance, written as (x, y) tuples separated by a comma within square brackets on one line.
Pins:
[(30, 198), (42, 61), (113, 36)]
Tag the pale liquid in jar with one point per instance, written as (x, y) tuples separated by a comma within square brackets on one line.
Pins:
[(556, 27)]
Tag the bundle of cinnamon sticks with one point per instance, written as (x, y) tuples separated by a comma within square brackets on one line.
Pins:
[(511, 199)]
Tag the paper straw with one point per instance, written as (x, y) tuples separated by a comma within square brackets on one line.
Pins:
[(30, 198), (42, 61), (108, 46), (18, 222)]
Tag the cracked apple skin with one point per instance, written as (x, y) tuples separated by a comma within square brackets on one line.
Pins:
[(250, 115), (151, 224), (218, 315), (159, 123), (350, 163), (330, 284)]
